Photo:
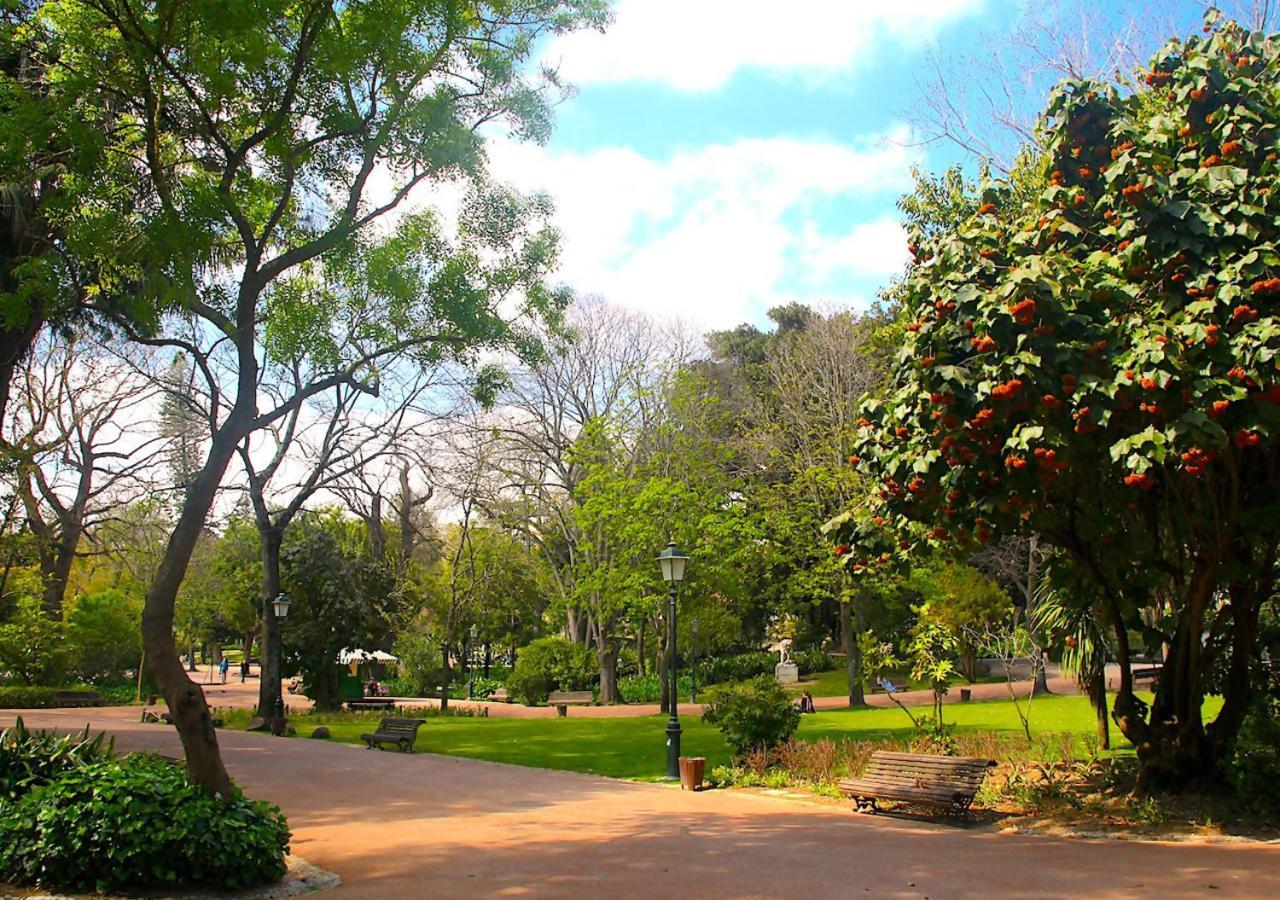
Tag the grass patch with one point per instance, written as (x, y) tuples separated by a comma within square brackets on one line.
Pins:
[(835, 683), (635, 747)]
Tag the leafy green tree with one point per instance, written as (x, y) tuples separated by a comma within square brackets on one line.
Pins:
[(962, 600), (1097, 366), (341, 599), (255, 139), (33, 646), (102, 637)]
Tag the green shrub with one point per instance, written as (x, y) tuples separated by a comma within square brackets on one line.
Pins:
[(29, 759), (552, 664), (754, 714), (1256, 768), (103, 636), (21, 696), (33, 646), (648, 689), (738, 667), (813, 659), (136, 822)]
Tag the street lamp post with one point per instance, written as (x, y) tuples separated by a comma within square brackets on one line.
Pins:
[(280, 606), (471, 663), (673, 561)]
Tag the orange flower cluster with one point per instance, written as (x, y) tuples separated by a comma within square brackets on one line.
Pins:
[(1245, 438), (1266, 286), (1023, 311), (1195, 460), (984, 344), (986, 208), (1008, 389), (1143, 482)]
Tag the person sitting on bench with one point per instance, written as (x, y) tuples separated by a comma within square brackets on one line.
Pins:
[(806, 703)]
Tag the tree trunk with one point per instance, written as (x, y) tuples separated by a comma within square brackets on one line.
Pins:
[(186, 700), (1041, 686), (377, 537), (59, 573), (444, 676), (852, 653), (270, 668), (1098, 698), (608, 656), (640, 660)]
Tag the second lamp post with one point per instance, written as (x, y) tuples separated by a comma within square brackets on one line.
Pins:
[(673, 560)]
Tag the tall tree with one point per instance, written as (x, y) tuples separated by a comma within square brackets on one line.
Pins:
[(259, 135), (1097, 366), (82, 450)]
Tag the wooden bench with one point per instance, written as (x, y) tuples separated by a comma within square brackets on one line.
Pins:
[(562, 700), (394, 730), (946, 781), (77, 698), (500, 696), (1151, 673), (366, 703)]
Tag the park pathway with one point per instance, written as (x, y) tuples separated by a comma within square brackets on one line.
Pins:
[(432, 826)]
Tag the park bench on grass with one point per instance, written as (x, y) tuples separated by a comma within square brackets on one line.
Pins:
[(1150, 673), (562, 700), (77, 698), (947, 781), (367, 703), (394, 730), (500, 696)]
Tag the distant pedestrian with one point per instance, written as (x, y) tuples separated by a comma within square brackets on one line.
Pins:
[(806, 703), (244, 670), (222, 669)]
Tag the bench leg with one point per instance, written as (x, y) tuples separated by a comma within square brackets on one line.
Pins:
[(866, 805), (562, 711)]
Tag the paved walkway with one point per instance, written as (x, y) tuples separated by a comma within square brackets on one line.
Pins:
[(432, 826)]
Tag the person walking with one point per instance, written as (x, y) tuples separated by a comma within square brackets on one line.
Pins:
[(244, 670), (222, 669)]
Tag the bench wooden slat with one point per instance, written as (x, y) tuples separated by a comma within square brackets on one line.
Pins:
[(917, 778), (396, 730)]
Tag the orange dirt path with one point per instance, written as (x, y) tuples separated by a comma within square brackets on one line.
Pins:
[(409, 826)]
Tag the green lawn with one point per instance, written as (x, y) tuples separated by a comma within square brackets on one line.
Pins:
[(836, 683), (635, 747)]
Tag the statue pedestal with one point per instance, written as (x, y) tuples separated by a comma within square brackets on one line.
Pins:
[(786, 673)]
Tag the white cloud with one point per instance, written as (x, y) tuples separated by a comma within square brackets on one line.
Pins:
[(875, 249), (716, 234), (699, 45)]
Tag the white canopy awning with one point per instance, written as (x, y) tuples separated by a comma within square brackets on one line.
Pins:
[(347, 656)]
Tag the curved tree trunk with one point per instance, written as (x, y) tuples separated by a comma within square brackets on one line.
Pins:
[(184, 697)]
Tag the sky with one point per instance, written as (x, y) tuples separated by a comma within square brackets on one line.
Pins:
[(748, 157), (722, 157)]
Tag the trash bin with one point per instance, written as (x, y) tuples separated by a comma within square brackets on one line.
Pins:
[(692, 768), (965, 695)]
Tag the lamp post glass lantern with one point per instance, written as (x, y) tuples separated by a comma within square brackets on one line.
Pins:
[(280, 606), (672, 561)]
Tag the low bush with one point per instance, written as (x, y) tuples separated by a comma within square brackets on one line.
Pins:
[(1256, 767), (648, 688), (551, 664), (74, 816), (136, 822), (29, 759), (21, 696), (754, 714), (738, 667), (813, 659)]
